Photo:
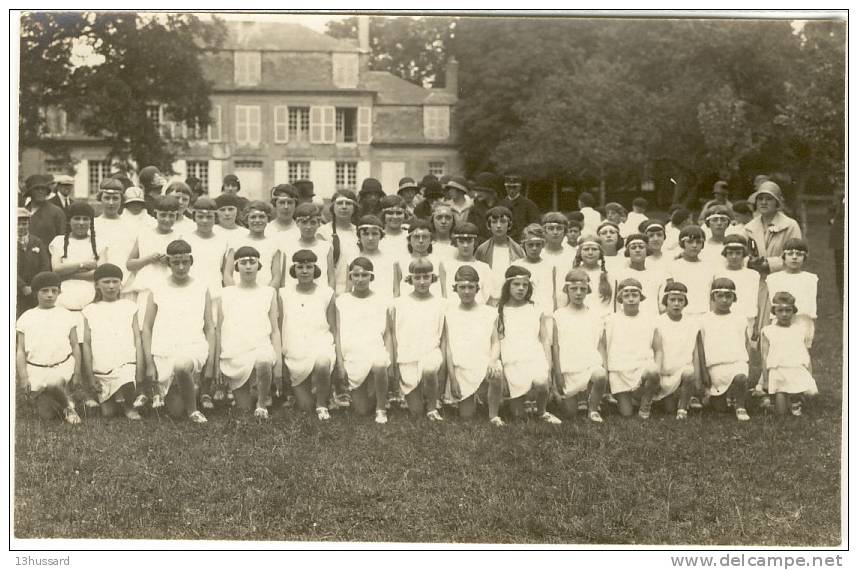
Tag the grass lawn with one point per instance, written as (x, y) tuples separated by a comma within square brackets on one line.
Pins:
[(709, 480)]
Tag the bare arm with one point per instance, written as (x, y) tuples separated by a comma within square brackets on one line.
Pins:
[(275, 343), (332, 271), (21, 362), (555, 352), (138, 349), (276, 269), (764, 355), (391, 320), (495, 365), (86, 366), (338, 343), (135, 262), (75, 348), (546, 330), (66, 268), (148, 324), (658, 349), (211, 336), (397, 277)]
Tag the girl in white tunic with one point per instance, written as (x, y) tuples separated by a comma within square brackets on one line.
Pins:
[(112, 345), (692, 271), (654, 231), (786, 361), (370, 239), (442, 225), (148, 257), (308, 220), (718, 219), (418, 323), (725, 349), (751, 291), (74, 257), (363, 340), (210, 249), (525, 330), (419, 247), (612, 243), (250, 336), (308, 333), (577, 349), (473, 347), (679, 366), (590, 259), (115, 232), (542, 272), (184, 225), (179, 337), (637, 267), (799, 283), (257, 215), (47, 359), (465, 238), (393, 216), (556, 252), (632, 349)]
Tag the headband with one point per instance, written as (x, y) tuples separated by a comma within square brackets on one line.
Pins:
[(631, 288), (653, 225), (367, 226), (723, 290), (791, 306), (533, 238), (341, 198), (466, 282), (365, 270), (684, 239), (635, 240), (464, 236), (795, 251), (713, 216), (247, 256), (590, 241), (306, 218), (518, 277)]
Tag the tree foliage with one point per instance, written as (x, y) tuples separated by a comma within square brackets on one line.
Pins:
[(414, 49), (137, 60)]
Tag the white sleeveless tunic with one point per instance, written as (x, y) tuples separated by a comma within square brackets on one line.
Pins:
[(245, 331), (523, 357), (306, 334), (418, 329), (362, 323), (469, 334), (114, 354)]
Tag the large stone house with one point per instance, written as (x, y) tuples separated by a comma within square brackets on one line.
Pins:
[(290, 103)]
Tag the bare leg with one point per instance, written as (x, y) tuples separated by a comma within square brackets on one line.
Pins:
[(379, 378), (429, 382), (570, 406), (243, 397), (739, 389), (184, 377), (414, 399), (540, 392), (686, 384), (322, 382), (263, 372), (781, 404), (598, 386), (516, 406), (495, 396), (174, 402)]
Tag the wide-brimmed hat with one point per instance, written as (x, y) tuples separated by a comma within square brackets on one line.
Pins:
[(407, 184), (134, 194), (63, 179), (720, 188)]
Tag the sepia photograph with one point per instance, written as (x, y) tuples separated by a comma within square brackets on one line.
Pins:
[(400, 280)]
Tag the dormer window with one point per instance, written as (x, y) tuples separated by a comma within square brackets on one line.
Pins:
[(345, 70), (248, 68)]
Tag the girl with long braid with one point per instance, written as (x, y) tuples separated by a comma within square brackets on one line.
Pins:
[(342, 233), (74, 257)]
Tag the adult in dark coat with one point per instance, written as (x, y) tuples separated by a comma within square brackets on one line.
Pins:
[(63, 193), (524, 210), (486, 187), (151, 181), (33, 258), (46, 220)]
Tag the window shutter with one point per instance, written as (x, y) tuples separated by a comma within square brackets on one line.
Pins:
[(215, 177), (329, 121), (324, 174), (364, 125), (81, 179), (363, 171), (316, 130), (254, 120), (281, 172), (281, 124), (240, 124)]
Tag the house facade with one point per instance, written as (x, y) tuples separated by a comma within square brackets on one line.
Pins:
[(290, 103)]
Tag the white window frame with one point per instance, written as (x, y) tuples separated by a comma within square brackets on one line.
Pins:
[(281, 124), (345, 70), (215, 123), (435, 171), (436, 122), (340, 125), (297, 170), (248, 124), (349, 175), (296, 124), (198, 169), (102, 168), (247, 68)]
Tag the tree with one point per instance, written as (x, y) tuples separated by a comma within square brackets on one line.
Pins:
[(414, 49), (139, 60)]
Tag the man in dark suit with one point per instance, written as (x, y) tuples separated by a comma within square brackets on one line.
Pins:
[(46, 220), (524, 210), (63, 192), (33, 258)]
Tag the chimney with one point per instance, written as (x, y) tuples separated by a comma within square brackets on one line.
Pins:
[(363, 43), (363, 33), (451, 80)]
